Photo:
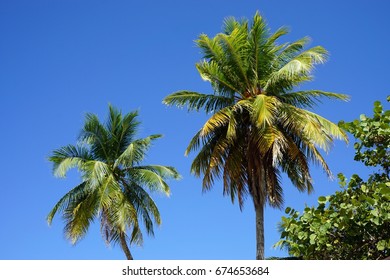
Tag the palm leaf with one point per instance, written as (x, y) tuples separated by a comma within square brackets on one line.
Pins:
[(69, 157), (197, 101), (74, 194)]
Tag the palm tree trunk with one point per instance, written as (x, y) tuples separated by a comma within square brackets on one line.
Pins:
[(259, 210), (125, 248), (257, 187)]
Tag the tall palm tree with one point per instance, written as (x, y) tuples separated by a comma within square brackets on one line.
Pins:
[(114, 185), (260, 125)]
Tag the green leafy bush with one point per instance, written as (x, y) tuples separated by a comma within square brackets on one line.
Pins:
[(353, 223)]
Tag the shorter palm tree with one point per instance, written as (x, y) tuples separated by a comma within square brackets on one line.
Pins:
[(114, 185)]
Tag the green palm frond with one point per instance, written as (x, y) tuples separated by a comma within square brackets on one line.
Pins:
[(195, 143), (73, 195), (79, 215), (271, 40), (210, 47), (216, 153), (93, 131), (315, 156), (144, 204), (165, 172), (135, 152), (203, 159), (149, 177), (291, 50), (294, 71), (121, 130), (310, 98), (264, 110), (230, 24), (95, 172), (234, 180), (197, 101), (236, 49), (311, 127), (124, 214), (219, 119), (226, 83), (69, 157), (329, 127)]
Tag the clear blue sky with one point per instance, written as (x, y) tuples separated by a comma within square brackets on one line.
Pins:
[(60, 59)]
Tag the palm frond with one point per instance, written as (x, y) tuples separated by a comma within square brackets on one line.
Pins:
[(144, 204), (73, 195), (274, 186), (271, 39), (210, 48), (223, 79), (79, 215), (217, 120), (165, 172), (291, 50), (329, 127), (309, 98), (148, 177), (235, 49), (197, 101), (69, 157), (230, 24), (95, 134), (264, 110), (296, 70), (95, 172), (135, 152)]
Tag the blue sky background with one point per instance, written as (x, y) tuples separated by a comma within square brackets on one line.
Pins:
[(60, 59)]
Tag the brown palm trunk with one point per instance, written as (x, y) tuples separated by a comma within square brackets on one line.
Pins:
[(125, 248), (257, 188), (259, 210)]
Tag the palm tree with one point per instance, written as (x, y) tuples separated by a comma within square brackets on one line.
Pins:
[(113, 184), (260, 124)]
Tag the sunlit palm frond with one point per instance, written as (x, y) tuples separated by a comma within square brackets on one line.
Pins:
[(225, 82), (147, 176), (69, 157), (95, 171), (265, 110), (135, 152), (235, 46), (210, 47), (217, 120), (330, 128), (309, 98), (197, 101), (291, 50)]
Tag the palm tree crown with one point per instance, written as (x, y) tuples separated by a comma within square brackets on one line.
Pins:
[(113, 181), (260, 125)]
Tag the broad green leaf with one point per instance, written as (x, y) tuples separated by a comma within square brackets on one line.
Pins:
[(322, 199)]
